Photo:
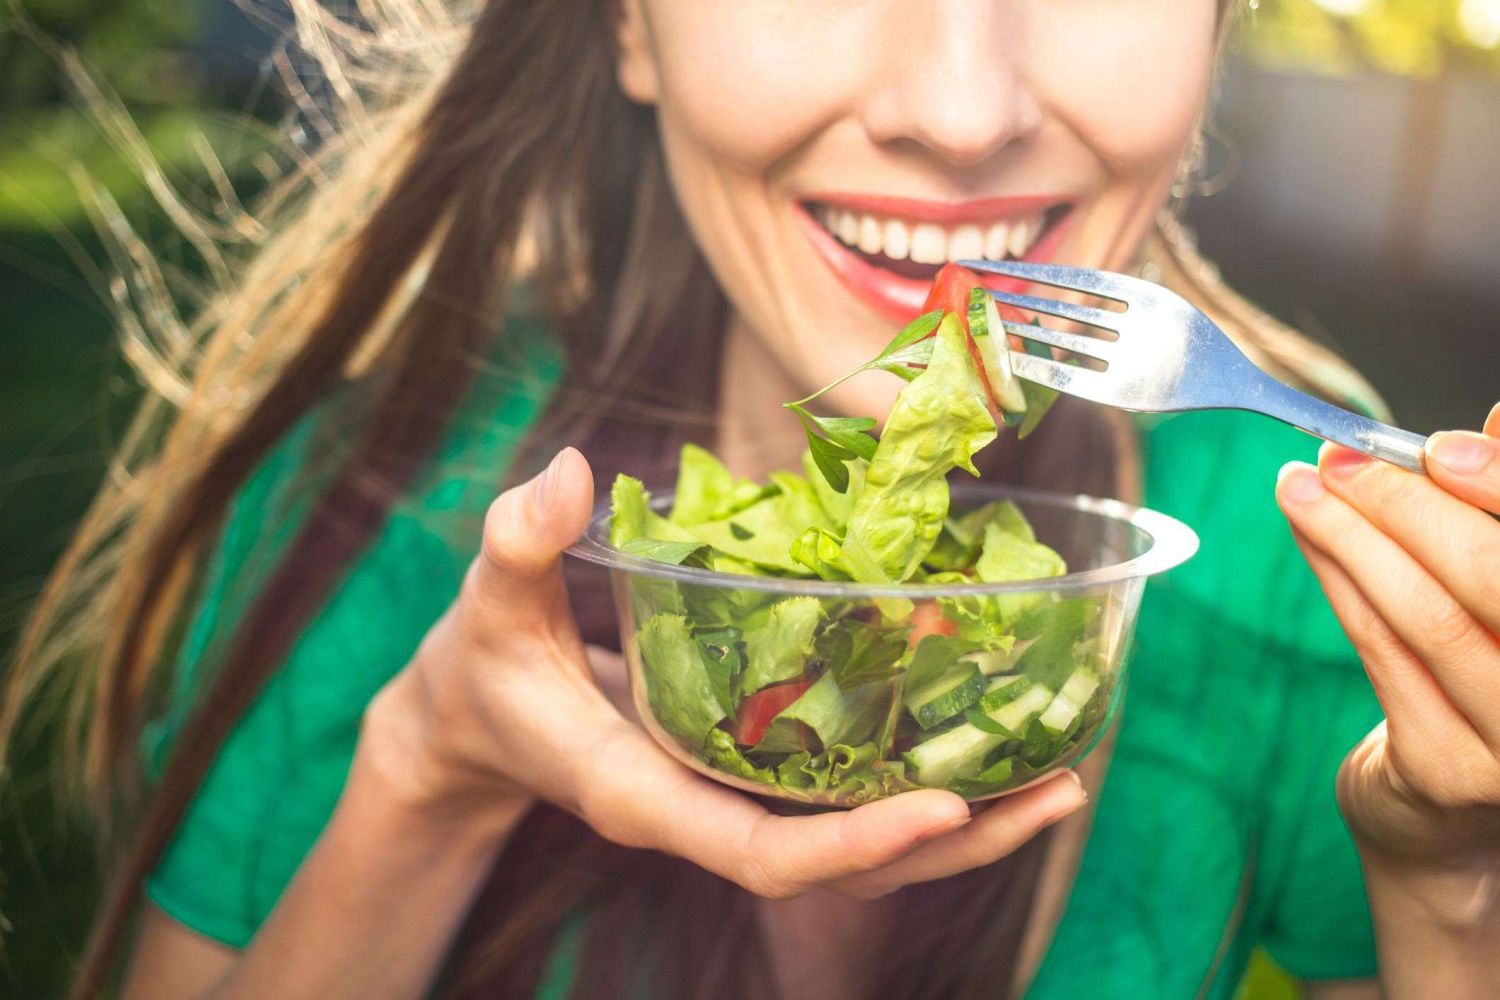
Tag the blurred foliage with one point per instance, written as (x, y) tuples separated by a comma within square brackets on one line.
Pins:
[(142, 47), (1407, 37)]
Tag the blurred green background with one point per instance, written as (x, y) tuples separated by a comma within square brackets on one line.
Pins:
[(1349, 187)]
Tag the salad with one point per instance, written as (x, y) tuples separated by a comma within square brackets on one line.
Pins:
[(837, 700)]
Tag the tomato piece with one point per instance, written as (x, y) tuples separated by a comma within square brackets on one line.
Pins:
[(757, 711), (927, 619), (950, 291)]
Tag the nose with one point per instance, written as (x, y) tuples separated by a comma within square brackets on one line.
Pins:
[(951, 80)]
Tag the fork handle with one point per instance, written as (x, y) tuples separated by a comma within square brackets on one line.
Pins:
[(1334, 423)]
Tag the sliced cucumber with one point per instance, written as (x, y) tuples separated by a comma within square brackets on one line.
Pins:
[(989, 337), (958, 752), (1014, 715), (1002, 691), (1071, 697), (946, 696), (961, 751), (998, 661)]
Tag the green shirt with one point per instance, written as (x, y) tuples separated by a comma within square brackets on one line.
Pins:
[(1216, 831)]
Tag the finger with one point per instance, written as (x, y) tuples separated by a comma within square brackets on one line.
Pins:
[(1420, 712), (1460, 653), (517, 576), (1453, 540), (644, 798), (1492, 424), (997, 832), (1467, 465)]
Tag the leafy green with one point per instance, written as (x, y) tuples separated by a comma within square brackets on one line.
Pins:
[(937, 423), (707, 491), (934, 656), (1008, 558), (722, 754), (1039, 398), (632, 517), (676, 553), (723, 661), (872, 511), (779, 649), (678, 688), (860, 653), (832, 714)]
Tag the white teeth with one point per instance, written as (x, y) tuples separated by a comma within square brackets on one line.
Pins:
[(965, 243), (848, 228), (929, 244), (997, 242), (897, 240), (1022, 235)]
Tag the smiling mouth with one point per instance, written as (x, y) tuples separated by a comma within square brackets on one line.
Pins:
[(888, 250), (917, 249)]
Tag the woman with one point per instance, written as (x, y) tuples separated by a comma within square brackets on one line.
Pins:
[(493, 823)]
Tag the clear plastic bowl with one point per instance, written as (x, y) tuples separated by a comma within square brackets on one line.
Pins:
[(847, 731)]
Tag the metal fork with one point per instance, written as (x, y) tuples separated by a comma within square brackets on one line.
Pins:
[(1168, 356)]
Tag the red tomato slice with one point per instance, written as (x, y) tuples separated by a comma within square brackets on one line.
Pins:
[(757, 711), (950, 293), (927, 619)]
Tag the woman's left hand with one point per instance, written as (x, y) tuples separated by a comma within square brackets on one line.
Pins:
[(1411, 565)]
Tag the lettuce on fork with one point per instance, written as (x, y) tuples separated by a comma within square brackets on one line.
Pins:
[(838, 701)]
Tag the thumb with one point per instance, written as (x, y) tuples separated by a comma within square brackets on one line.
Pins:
[(525, 532)]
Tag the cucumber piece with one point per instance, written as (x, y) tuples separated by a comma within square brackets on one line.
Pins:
[(1013, 716), (1071, 697), (946, 696), (959, 751), (1003, 691), (994, 350), (998, 661)]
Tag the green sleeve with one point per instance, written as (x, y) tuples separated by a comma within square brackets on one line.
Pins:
[(275, 781)]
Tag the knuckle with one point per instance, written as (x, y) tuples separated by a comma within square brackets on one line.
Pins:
[(1452, 632), (758, 878)]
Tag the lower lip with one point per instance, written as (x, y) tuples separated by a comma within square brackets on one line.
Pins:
[(902, 298)]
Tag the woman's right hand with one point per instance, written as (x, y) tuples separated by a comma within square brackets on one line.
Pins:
[(499, 707)]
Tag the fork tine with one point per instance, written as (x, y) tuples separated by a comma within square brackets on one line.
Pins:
[(1089, 347), (1070, 379), (1104, 319), (1111, 286)]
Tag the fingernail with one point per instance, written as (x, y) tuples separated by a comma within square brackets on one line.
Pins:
[(1299, 483), (1462, 452), (1339, 461), (544, 486)]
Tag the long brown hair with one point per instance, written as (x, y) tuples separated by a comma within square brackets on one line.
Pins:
[(456, 159)]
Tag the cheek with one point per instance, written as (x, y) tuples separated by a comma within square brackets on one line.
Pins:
[(745, 83), (1131, 79)]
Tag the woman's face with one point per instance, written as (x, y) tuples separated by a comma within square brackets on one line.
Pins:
[(830, 154)]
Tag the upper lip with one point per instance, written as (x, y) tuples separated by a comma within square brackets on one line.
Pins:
[(942, 212)]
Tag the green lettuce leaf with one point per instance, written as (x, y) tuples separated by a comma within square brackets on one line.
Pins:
[(804, 772), (937, 423), (1007, 558), (707, 491), (860, 652), (722, 754), (836, 506), (779, 649), (632, 517), (831, 713), (724, 660), (678, 688)]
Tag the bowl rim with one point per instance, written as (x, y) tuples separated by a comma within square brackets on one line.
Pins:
[(1172, 544)]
